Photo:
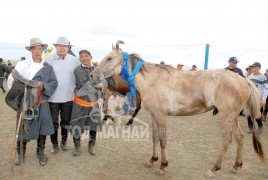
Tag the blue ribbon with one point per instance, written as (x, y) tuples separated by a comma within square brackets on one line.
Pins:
[(129, 78)]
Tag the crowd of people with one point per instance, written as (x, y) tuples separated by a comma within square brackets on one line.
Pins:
[(5, 71), (70, 97)]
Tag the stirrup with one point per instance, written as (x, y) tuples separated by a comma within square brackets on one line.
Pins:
[(36, 113), (29, 114)]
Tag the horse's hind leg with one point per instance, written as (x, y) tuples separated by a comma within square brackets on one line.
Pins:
[(239, 136), (226, 121), (155, 145), (163, 143)]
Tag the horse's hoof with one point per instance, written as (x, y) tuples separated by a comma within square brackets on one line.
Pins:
[(127, 124), (159, 172), (233, 170), (148, 164), (210, 174)]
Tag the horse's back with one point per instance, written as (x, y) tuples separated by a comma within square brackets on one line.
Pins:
[(195, 92)]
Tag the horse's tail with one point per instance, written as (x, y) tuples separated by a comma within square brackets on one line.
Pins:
[(253, 105)]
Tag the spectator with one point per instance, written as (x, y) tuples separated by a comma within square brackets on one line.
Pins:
[(179, 66), (162, 63), (193, 68), (261, 83), (129, 105), (3, 70), (249, 71), (266, 74), (10, 67), (47, 52), (232, 66)]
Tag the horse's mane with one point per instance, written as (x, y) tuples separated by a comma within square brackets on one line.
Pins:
[(134, 58)]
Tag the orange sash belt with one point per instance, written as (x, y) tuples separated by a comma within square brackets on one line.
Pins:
[(83, 103)]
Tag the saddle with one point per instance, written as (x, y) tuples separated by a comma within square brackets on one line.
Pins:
[(24, 96)]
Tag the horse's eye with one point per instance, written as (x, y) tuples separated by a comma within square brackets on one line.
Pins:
[(109, 59)]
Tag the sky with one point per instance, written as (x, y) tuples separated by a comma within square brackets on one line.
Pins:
[(173, 31)]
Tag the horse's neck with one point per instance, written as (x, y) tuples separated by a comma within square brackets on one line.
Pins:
[(141, 82)]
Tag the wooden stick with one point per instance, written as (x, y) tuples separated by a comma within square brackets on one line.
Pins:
[(15, 143), (108, 148)]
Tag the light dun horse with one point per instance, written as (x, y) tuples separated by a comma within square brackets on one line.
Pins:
[(167, 91)]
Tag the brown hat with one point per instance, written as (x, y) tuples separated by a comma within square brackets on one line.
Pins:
[(35, 42)]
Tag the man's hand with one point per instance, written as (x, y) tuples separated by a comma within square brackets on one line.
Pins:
[(41, 85), (99, 86)]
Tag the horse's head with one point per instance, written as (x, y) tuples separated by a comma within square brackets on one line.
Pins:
[(111, 64)]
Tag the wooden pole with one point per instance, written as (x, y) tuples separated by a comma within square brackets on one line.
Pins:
[(15, 142)]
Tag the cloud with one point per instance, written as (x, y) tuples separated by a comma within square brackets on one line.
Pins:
[(106, 31)]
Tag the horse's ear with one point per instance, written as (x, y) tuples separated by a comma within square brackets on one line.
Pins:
[(119, 42), (113, 47)]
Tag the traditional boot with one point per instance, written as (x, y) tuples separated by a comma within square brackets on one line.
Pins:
[(91, 143), (250, 125), (260, 125), (91, 148), (38, 148), (24, 149), (64, 136), (264, 115), (54, 141), (18, 157), (42, 156), (77, 147)]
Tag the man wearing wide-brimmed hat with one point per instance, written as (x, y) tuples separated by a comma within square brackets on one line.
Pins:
[(41, 72), (61, 101)]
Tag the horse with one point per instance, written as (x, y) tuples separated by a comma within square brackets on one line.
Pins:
[(166, 91), (121, 87)]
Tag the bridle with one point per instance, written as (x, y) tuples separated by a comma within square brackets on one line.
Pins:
[(101, 75)]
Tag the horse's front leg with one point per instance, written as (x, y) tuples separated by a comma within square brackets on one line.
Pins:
[(155, 145), (138, 107)]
